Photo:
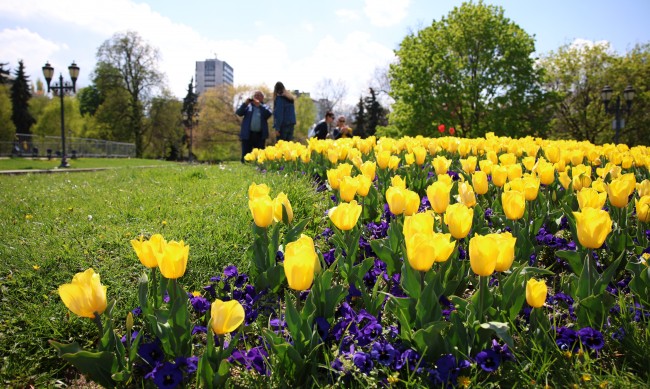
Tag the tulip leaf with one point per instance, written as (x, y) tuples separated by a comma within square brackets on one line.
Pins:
[(404, 310), (410, 281), (293, 233), (592, 310), (430, 338), (574, 258), (587, 280), (607, 275), (97, 365), (501, 330), (383, 250), (427, 307), (143, 293)]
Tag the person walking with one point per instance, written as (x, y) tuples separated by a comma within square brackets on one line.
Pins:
[(254, 128), (284, 112)]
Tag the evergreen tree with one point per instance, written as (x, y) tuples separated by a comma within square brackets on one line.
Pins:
[(4, 74), (189, 102), (375, 113), (360, 122), (21, 92)]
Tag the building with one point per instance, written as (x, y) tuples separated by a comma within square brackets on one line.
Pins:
[(211, 73)]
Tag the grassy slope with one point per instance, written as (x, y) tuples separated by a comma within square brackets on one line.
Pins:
[(32, 164), (56, 225)]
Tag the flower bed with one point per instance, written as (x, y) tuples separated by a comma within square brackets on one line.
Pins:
[(447, 262)]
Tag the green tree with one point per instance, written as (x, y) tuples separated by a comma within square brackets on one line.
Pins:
[(472, 69), (90, 98), (20, 95), (576, 74), (306, 112), (165, 121), (49, 121), (129, 64), (7, 128), (4, 74), (360, 119), (375, 113)]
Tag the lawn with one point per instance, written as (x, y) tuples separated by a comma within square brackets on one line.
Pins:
[(79, 163), (54, 226)]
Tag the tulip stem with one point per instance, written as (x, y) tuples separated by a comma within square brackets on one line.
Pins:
[(483, 291), (154, 286), (98, 321)]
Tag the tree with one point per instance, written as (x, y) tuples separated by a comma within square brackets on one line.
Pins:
[(305, 116), (330, 92), (375, 113), (472, 69), (49, 119), (7, 128), (135, 71), (576, 74), (166, 135), (90, 98), (20, 95), (4, 74), (360, 119)]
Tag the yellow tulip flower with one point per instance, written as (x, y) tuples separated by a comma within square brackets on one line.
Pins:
[(149, 251), (506, 247), (486, 166), (468, 165), (173, 262), (368, 169), (364, 185), (643, 188), (85, 296), (514, 204), (619, 191), (593, 226), (393, 162), (499, 175), (531, 187), (420, 155), (345, 215), (514, 171), (546, 172), (301, 263), (458, 217), (423, 249), (262, 210), (382, 159), (483, 252), (348, 188), (536, 293), (255, 191), (591, 198), (411, 202), (441, 164), (279, 201), (226, 316), (480, 182), (438, 195), (396, 199), (418, 223), (643, 208), (466, 194), (398, 181)]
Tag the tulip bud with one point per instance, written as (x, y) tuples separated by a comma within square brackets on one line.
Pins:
[(593, 226), (514, 204), (458, 217), (480, 182), (129, 321), (483, 254), (643, 208), (173, 262), (345, 215), (536, 293), (438, 195), (226, 316), (300, 263), (262, 210)]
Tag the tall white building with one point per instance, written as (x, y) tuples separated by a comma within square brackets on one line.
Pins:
[(211, 73)]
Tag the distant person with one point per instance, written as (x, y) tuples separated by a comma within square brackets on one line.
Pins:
[(323, 127), (284, 112), (341, 130), (254, 128)]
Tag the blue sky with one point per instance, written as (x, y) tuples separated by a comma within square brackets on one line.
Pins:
[(297, 42)]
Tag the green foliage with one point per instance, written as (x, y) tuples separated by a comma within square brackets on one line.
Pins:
[(49, 121), (166, 132), (20, 95), (7, 127), (472, 70), (306, 112), (90, 98)]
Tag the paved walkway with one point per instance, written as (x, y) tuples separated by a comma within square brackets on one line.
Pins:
[(43, 171)]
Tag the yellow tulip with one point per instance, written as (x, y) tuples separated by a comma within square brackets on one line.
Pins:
[(531, 187), (382, 159), (412, 202), (444, 246), (581, 181), (483, 252), (393, 162), (546, 172), (345, 215), (499, 175), (593, 226), (423, 249), (301, 263), (618, 192), (334, 177), (368, 169), (418, 223), (514, 204), (458, 217), (226, 316), (364, 185), (173, 262), (262, 210), (409, 159), (536, 293), (480, 182), (466, 194), (468, 165), (348, 188), (552, 153), (486, 166), (507, 159), (441, 164), (591, 198), (438, 195), (643, 208), (643, 188), (420, 155), (396, 198), (85, 296), (514, 171), (398, 181), (149, 251), (255, 191), (565, 180), (529, 163), (279, 201), (506, 247)]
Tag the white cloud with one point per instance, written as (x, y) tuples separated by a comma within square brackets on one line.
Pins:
[(22, 44), (346, 15), (384, 13)]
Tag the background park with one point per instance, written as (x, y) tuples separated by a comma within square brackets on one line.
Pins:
[(473, 70)]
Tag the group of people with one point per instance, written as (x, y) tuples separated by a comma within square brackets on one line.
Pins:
[(255, 130)]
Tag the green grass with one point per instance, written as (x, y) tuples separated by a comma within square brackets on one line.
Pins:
[(34, 164), (56, 225)]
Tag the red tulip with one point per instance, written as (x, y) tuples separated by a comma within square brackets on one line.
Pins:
[(441, 128), (452, 131)]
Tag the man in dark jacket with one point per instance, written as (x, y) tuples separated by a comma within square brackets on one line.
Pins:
[(323, 127), (254, 127)]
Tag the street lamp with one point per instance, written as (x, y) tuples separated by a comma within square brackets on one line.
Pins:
[(191, 118), (62, 87), (616, 110)]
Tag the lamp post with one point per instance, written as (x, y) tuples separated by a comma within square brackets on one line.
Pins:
[(616, 110), (191, 118), (62, 87)]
